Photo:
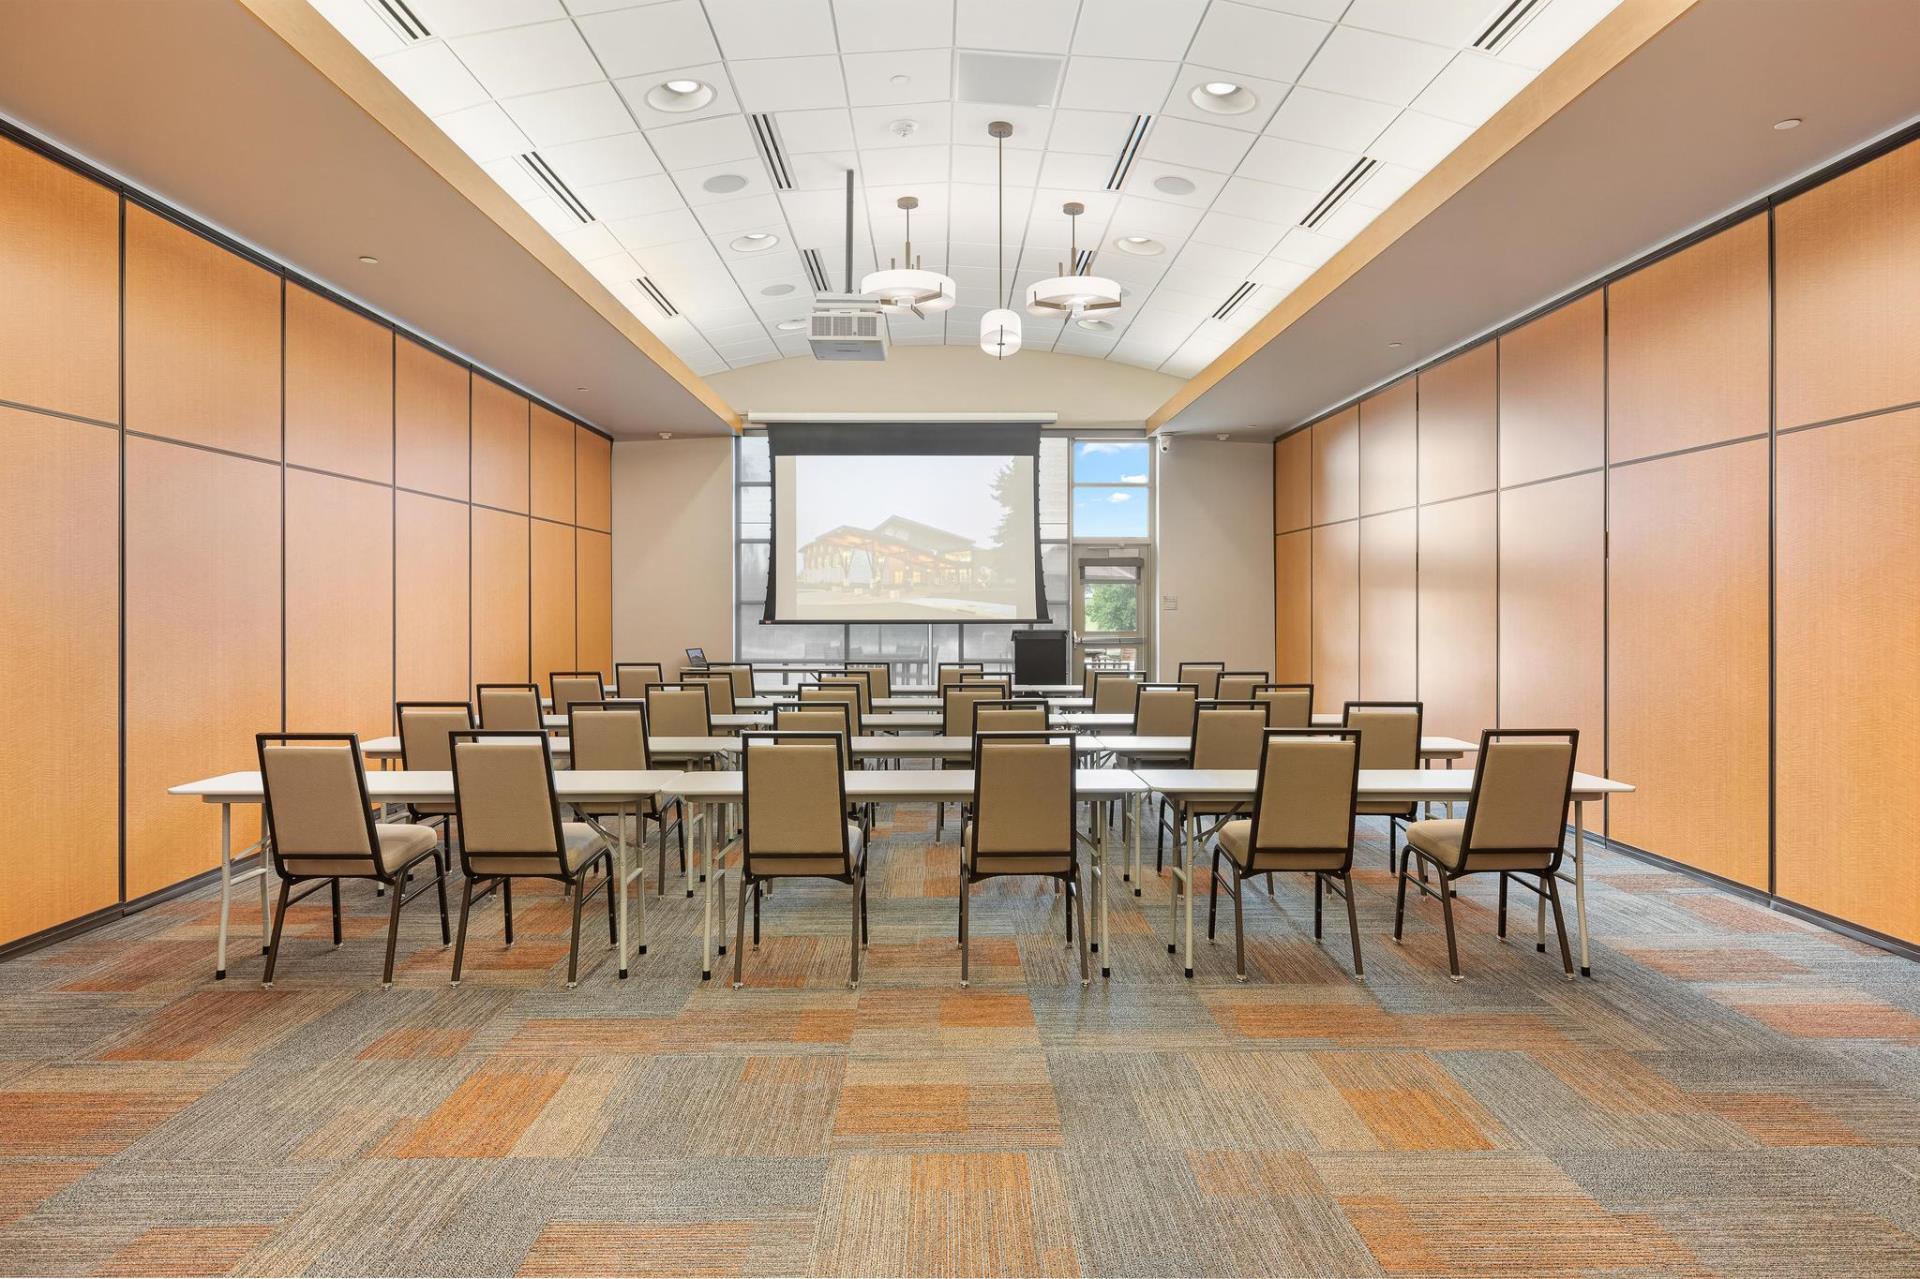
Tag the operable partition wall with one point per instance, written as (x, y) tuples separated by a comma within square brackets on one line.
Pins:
[(229, 503), (1679, 512)]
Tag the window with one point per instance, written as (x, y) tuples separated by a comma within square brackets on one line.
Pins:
[(1112, 493)]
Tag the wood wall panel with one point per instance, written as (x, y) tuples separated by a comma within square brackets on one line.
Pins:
[(203, 340), (1293, 607), (593, 608), (429, 421), (1388, 668), (59, 288), (339, 388), (1388, 479), (1553, 393), (593, 480), (430, 599), (59, 608), (202, 575), (1293, 482), (1459, 616), (550, 463), (499, 446), (1687, 658), (339, 605), (1848, 626), (499, 596), (1552, 590), (1846, 273), (1459, 425), (1335, 448), (554, 600), (1336, 615)]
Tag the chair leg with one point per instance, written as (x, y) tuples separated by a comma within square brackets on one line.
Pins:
[(393, 931), (1446, 910), (865, 936), (859, 895), (1319, 889), (1159, 836), (334, 887), (613, 931), (466, 908), (966, 892), (279, 918), (443, 862), (1549, 879), (1060, 885), (1393, 843), (756, 914), (1239, 928), (1079, 903), (1500, 928), (1213, 892), (1353, 923), (506, 907), (573, 950), (740, 927), (1400, 895)]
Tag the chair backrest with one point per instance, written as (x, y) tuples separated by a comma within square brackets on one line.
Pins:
[(575, 686), (956, 706), (1304, 799), (1164, 710), (741, 673), (819, 717), (1113, 691), (879, 676), (1389, 733), (1521, 790), (679, 710), (836, 690), (719, 686), (424, 727), (633, 679), (1010, 715), (1205, 675), (1023, 795), (795, 805), (608, 735), (1227, 735), (950, 672), (1238, 686), (1090, 673), (510, 707), (316, 799), (1288, 705), (859, 676), (503, 792)]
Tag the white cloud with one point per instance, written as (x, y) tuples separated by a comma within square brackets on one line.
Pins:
[(1105, 446), (1133, 479), (1119, 497)]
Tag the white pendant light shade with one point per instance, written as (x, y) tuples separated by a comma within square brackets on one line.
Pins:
[(1071, 294), (902, 290), (1000, 333)]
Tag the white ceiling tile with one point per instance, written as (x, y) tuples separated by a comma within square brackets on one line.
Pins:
[(1346, 221), (1116, 84), (1471, 88), (736, 334), (1244, 234), (1554, 29), (433, 78), (1455, 23), (1180, 100), (1168, 302), (1203, 146), (790, 84), (870, 77), (1330, 119), (589, 241), (870, 25), (772, 28), (1324, 10), (550, 215), (465, 17), (513, 178), (1258, 42), (1387, 183), (1063, 169), (356, 20), (1146, 177), (533, 59), (1367, 64), (1280, 274), (805, 131), (1030, 124), (982, 164), (560, 116), (1265, 201), (1295, 164), (1215, 259), (1137, 28), (875, 127), (1418, 141), (825, 170), (580, 8), (635, 89), (615, 269), (609, 159), (1025, 26), (1306, 247), (735, 217), (815, 215), (655, 37), (692, 181), (1154, 218), (907, 165), (485, 132), (703, 142), (1090, 132), (652, 230), (630, 198)]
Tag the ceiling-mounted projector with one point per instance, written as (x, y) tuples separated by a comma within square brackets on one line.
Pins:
[(847, 326)]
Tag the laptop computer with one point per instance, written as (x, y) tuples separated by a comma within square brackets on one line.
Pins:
[(696, 657)]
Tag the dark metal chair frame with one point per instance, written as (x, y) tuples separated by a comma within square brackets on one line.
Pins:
[(1069, 878)]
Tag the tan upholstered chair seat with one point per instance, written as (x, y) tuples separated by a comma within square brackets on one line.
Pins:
[(1440, 840), (582, 843), (1011, 863), (778, 865), (1234, 837), (400, 843)]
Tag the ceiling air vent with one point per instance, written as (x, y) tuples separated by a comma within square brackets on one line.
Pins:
[(816, 273), (1234, 299), (659, 297), (543, 174), (766, 140), (1507, 24), (405, 22), (1129, 151), (1337, 193)]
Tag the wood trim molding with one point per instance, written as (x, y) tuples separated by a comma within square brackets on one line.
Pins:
[(1614, 39), (311, 36)]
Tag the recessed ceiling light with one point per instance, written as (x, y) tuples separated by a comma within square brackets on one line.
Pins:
[(724, 183), (900, 81), (1223, 97), (1095, 326), (369, 259), (776, 290), (1393, 346), (1173, 185), (791, 326), (1140, 246), (1223, 437), (666, 435), (754, 242), (680, 95), (1791, 122), (904, 127)]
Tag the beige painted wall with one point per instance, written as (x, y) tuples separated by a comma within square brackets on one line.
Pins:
[(1215, 525), (953, 379), (672, 549)]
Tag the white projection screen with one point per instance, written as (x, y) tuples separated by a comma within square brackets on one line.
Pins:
[(905, 523)]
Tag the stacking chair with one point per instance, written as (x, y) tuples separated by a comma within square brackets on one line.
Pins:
[(425, 729), (1024, 801), (830, 690), (719, 689), (741, 673), (1226, 735), (860, 677), (510, 829), (1389, 738), (575, 686), (1516, 821), (613, 736), (795, 826), (321, 829), (633, 679), (957, 703), (950, 672), (510, 707), (1113, 691), (1010, 715), (1288, 705), (678, 710), (1164, 710), (879, 677), (1205, 675), (1238, 686), (817, 717)]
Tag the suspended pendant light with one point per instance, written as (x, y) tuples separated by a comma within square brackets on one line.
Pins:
[(909, 290), (1000, 327), (1073, 292)]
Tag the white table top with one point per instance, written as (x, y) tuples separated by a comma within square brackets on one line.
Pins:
[(421, 787), (1386, 785), (907, 785), (1130, 745)]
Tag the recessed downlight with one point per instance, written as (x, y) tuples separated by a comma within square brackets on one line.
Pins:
[(680, 95), (369, 259), (754, 242), (723, 183), (1173, 184), (1223, 97), (1095, 326), (900, 81), (791, 326), (1393, 346), (776, 290), (1791, 122), (1140, 246)]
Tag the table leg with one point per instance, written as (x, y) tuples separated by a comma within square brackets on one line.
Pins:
[(707, 814), (619, 888), (1187, 852), (1173, 888), (1133, 849), (1580, 883), (226, 890)]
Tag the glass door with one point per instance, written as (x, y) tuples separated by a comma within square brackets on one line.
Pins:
[(1112, 600)]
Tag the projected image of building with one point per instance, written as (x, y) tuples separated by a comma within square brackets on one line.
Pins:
[(896, 555)]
